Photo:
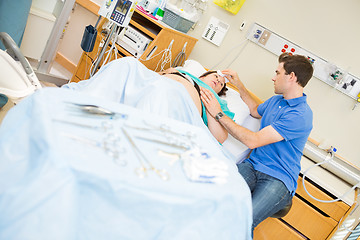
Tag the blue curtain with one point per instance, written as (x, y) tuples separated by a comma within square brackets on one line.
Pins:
[(13, 18)]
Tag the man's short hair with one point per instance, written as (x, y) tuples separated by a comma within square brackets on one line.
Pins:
[(299, 65)]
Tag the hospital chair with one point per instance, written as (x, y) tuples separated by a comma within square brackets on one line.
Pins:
[(17, 78), (282, 212)]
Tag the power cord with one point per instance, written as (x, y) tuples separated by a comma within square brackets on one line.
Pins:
[(227, 54), (165, 58)]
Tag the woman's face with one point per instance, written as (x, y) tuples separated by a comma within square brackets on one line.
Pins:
[(215, 81)]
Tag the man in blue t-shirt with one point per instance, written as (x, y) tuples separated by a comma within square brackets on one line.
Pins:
[(273, 167)]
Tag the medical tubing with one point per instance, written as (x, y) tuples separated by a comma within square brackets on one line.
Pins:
[(95, 59), (165, 58), (153, 56), (113, 46), (241, 43), (327, 159), (237, 55), (180, 57), (346, 228), (166, 49)]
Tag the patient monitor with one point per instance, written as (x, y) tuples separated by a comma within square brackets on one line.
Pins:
[(118, 11)]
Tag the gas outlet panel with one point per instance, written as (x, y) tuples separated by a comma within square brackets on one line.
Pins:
[(215, 31), (323, 70)]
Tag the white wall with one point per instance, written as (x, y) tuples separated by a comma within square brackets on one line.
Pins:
[(70, 44), (45, 5), (327, 28)]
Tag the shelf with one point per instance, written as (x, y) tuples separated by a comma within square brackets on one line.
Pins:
[(144, 30)]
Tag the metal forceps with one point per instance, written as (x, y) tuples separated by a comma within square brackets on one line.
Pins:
[(142, 171), (105, 125), (97, 110), (110, 147)]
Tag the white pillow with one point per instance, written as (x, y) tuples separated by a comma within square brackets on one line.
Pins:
[(236, 105), (193, 67), (234, 101)]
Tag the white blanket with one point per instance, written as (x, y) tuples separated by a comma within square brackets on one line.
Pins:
[(128, 81)]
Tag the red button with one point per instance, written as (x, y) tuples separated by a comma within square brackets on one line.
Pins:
[(293, 50), (290, 53), (283, 50), (286, 46)]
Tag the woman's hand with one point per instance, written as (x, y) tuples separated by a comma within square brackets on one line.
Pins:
[(210, 102)]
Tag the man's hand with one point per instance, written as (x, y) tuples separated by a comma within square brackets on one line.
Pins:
[(233, 77), (210, 102)]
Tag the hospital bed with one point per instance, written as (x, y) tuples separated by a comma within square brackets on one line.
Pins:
[(125, 172)]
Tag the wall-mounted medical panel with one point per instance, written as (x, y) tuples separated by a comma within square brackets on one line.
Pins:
[(325, 71), (215, 31)]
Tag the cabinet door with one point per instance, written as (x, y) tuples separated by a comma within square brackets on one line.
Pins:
[(86, 64), (308, 220), (274, 229), (83, 69), (171, 40), (335, 210)]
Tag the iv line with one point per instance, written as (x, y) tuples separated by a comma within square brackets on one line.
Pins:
[(241, 43), (327, 159)]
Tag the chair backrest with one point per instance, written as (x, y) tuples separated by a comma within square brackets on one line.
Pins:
[(17, 79)]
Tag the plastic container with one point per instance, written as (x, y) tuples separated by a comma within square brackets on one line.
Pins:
[(176, 21)]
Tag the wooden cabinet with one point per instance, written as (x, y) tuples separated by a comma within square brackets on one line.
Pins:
[(307, 219), (161, 38)]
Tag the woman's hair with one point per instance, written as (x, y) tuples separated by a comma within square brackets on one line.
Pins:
[(223, 90), (299, 65)]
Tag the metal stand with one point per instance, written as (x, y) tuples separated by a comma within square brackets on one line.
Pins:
[(48, 55), (107, 41)]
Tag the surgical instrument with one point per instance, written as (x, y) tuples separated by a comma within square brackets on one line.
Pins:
[(182, 146), (97, 110), (105, 125), (111, 146), (142, 171)]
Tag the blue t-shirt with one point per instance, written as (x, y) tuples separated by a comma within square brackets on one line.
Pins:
[(292, 119)]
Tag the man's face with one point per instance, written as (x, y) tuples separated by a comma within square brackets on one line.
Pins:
[(280, 79)]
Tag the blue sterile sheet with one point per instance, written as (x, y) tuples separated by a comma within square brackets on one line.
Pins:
[(62, 178)]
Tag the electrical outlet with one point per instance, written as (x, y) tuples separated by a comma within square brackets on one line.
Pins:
[(264, 37), (348, 83)]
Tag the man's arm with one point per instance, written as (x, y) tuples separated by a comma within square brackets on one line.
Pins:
[(252, 103), (251, 139)]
